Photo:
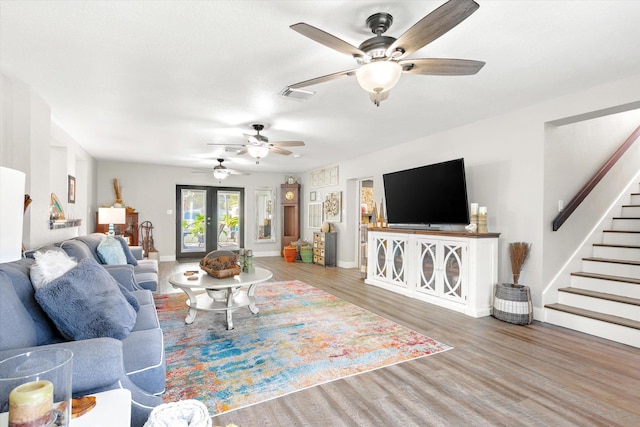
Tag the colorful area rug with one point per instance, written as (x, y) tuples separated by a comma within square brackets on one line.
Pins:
[(301, 338)]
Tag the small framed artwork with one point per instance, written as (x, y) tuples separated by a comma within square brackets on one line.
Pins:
[(71, 181), (312, 196)]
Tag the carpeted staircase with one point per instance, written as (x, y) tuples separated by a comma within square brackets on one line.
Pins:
[(604, 298)]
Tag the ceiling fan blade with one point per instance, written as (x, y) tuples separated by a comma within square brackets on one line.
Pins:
[(251, 138), (220, 143), (241, 152), (287, 143), (441, 67), (235, 172), (279, 151), (433, 26), (327, 39), (322, 79)]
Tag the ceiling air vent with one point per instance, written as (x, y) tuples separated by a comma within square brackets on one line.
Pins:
[(297, 94)]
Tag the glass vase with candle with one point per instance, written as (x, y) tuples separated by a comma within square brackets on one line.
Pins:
[(35, 388)]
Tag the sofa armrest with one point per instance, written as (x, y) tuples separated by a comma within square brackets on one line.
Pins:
[(136, 251), (87, 356), (124, 274)]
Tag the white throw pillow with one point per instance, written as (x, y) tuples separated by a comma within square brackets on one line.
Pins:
[(49, 266)]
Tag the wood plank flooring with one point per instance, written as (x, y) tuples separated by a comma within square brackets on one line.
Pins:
[(497, 374)]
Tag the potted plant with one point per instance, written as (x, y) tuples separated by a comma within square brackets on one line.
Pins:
[(512, 301), (196, 228)]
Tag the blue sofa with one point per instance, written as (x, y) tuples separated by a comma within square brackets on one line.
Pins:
[(145, 270), (136, 362)]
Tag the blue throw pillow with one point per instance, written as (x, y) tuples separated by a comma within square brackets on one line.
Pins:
[(86, 302), (127, 252), (110, 251)]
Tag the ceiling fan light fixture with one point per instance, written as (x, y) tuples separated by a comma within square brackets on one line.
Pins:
[(220, 173), (378, 76), (258, 151)]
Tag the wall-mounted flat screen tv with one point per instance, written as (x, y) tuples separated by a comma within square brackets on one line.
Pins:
[(428, 195)]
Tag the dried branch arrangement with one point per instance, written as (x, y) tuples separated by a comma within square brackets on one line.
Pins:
[(519, 252)]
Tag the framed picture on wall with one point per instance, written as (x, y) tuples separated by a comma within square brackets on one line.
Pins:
[(333, 207), (71, 181)]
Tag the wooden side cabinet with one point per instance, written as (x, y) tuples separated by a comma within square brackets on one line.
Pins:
[(129, 230), (324, 248)]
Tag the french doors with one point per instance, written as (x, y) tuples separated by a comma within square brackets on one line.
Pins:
[(208, 218)]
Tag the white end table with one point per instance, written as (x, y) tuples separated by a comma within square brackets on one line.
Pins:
[(226, 295)]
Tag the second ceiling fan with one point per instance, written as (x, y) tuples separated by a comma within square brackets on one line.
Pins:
[(382, 59), (259, 146)]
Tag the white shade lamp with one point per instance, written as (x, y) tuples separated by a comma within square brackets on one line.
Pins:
[(258, 151), (112, 216), (378, 77), (11, 214)]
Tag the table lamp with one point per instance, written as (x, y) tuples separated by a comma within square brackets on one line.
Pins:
[(11, 214), (112, 216)]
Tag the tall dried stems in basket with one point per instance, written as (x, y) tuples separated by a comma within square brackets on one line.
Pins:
[(519, 252)]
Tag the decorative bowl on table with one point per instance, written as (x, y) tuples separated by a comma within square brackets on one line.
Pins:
[(221, 264)]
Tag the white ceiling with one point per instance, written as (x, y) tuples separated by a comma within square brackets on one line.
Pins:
[(155, 81)]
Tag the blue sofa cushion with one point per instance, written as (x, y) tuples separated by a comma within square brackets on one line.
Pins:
[(127, 252), (17, 328), (77, 249), (110, 251), (86, 302)]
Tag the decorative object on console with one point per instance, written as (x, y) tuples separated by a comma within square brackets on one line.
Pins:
[(12, 206), (221, 264), (473, 214), (112, 216), (482, 220), (56, 212), (118, 190), (512, 302), (247, 266)]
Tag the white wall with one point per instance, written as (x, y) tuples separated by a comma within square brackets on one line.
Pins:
[(151, 190), (27, 143)]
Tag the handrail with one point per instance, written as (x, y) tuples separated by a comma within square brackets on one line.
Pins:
[(586, 189)]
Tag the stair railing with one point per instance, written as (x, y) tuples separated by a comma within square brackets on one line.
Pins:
[(590, 185)]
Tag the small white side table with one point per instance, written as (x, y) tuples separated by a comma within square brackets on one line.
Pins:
[(113, 409)]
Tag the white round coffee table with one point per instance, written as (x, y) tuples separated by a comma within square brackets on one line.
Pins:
[(226, 294)]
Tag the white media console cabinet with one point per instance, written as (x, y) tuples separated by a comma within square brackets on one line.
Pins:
[(455, 270)]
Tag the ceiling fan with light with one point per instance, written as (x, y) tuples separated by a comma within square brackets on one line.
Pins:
[(259, 146), (220, 171), (382, 59)]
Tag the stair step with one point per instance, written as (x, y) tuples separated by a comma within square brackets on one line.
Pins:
[(624, 286), (626, 223), (602, 295), (607, 277), (621, 237), (612, 267), (616, 251), (608, 318), (630, 210)]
